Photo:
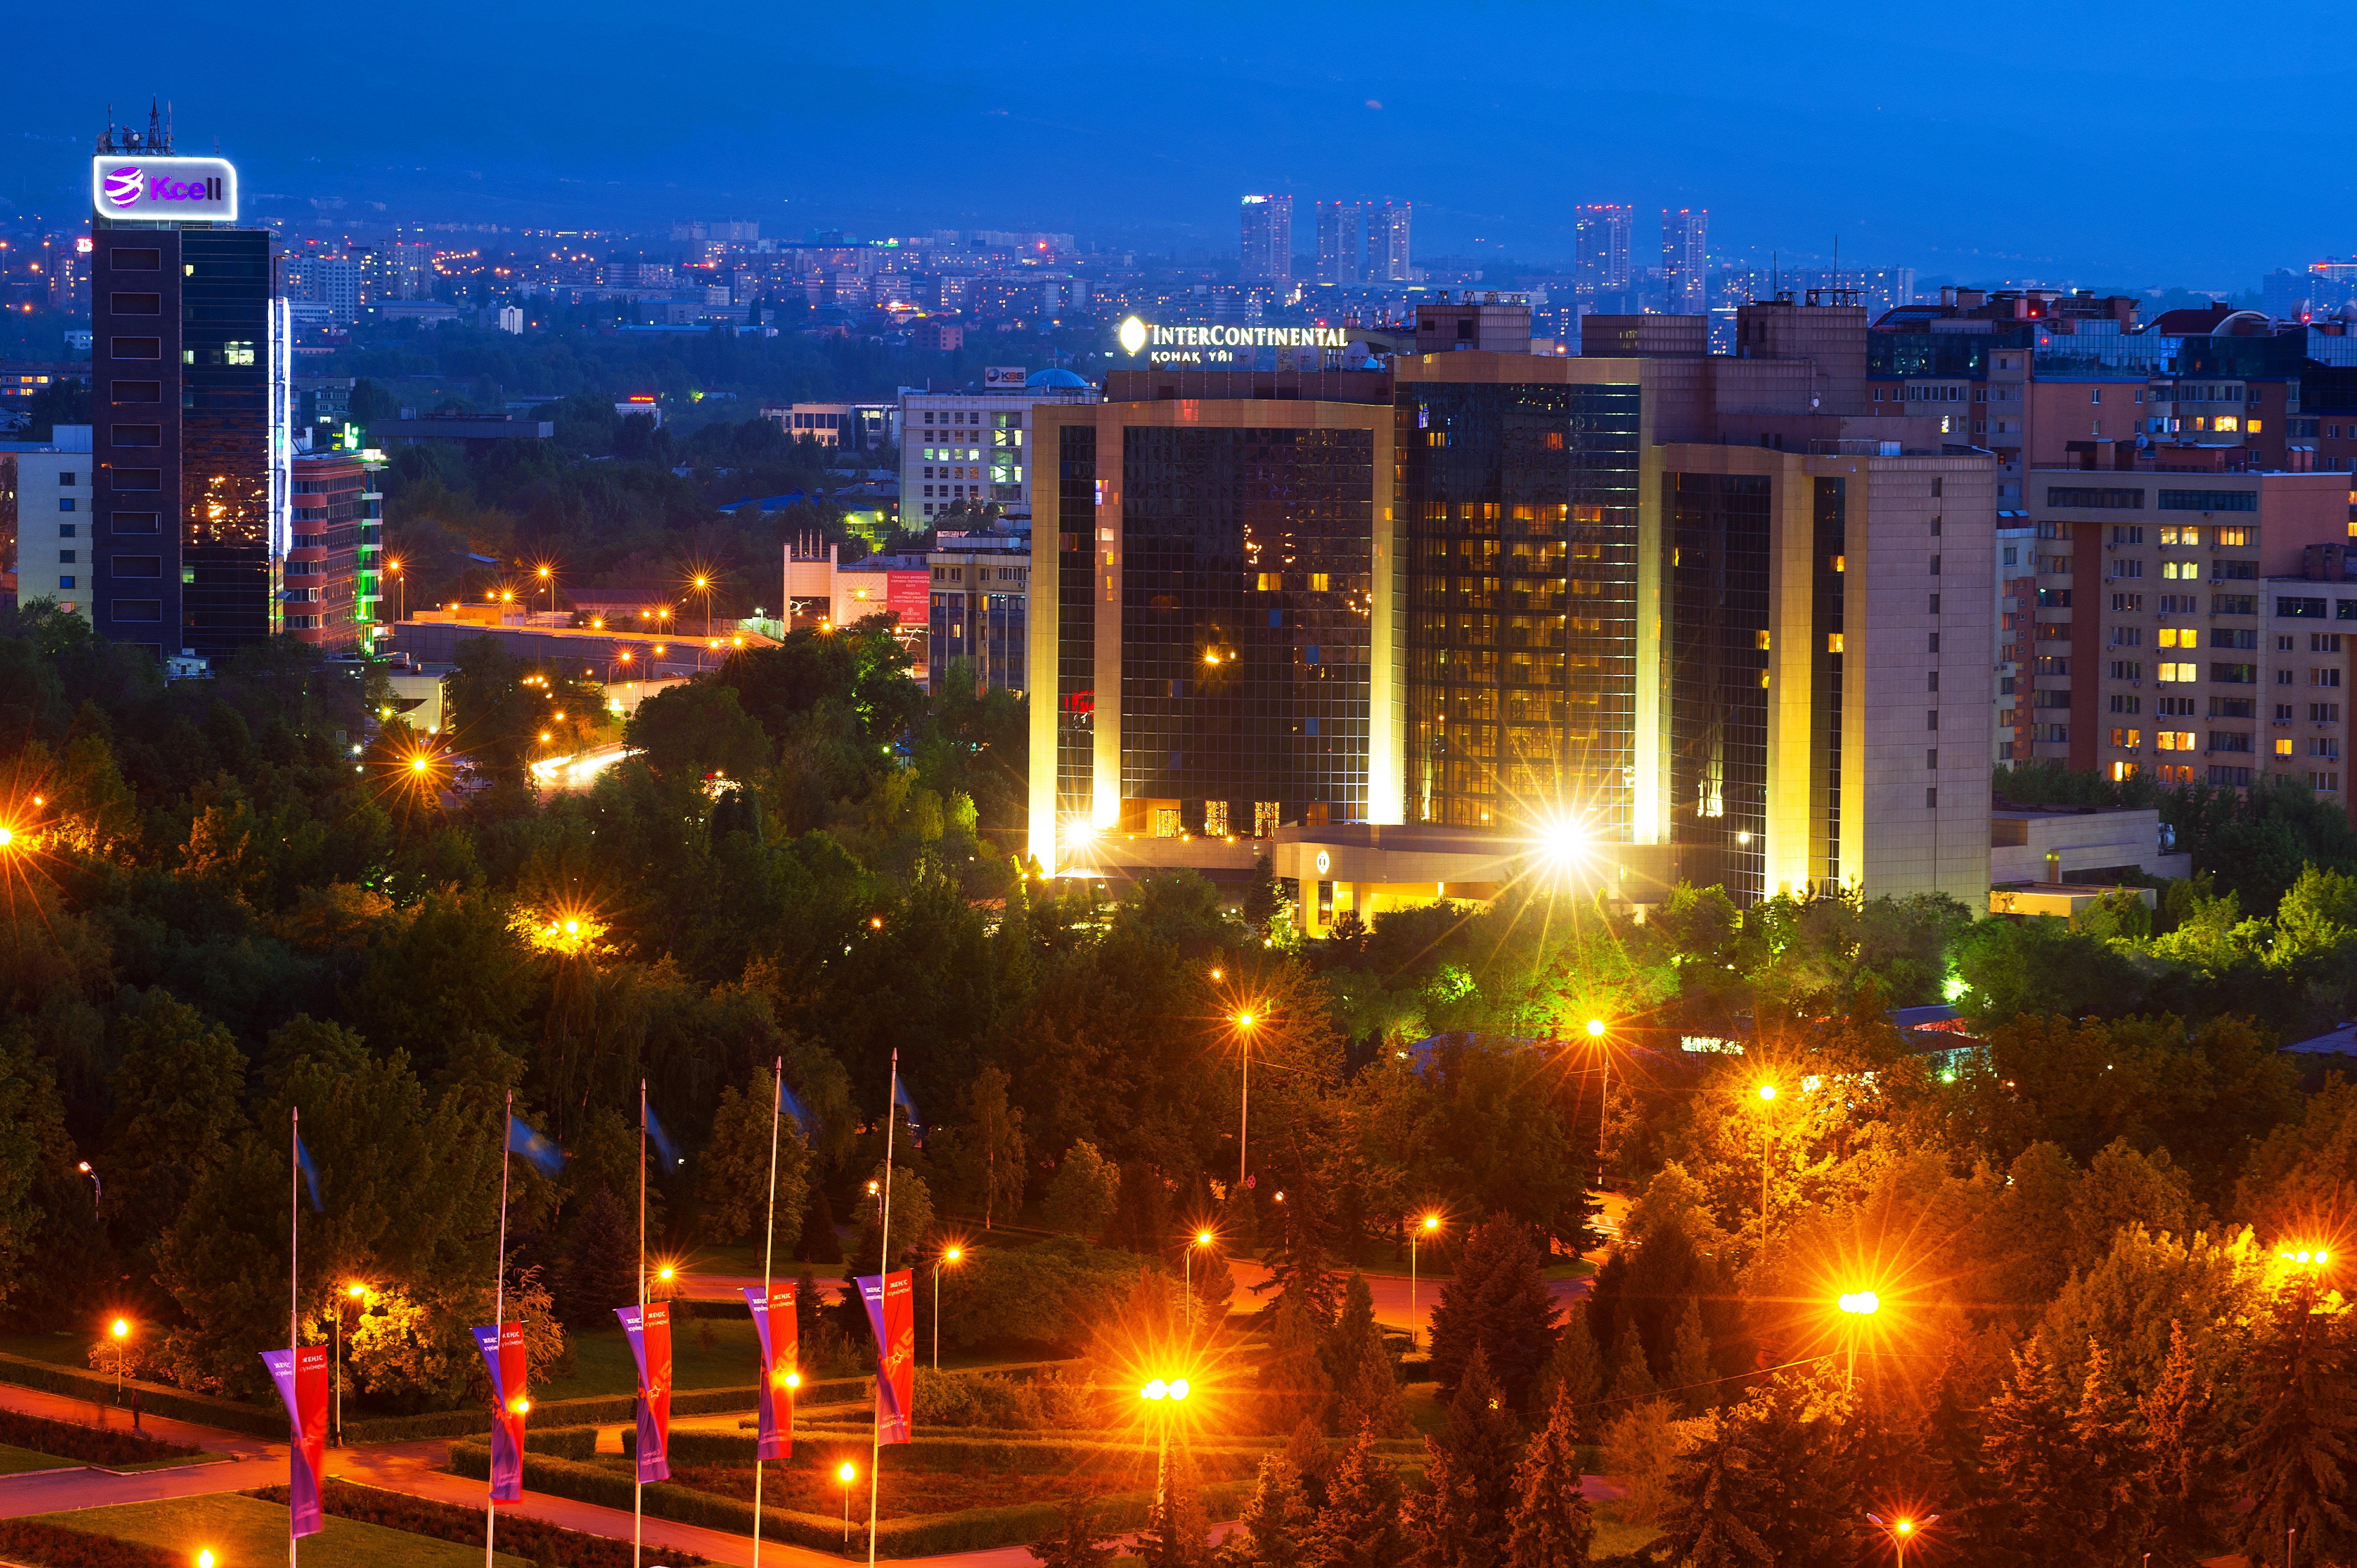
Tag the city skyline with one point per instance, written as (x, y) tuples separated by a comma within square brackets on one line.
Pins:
[(696, 128)]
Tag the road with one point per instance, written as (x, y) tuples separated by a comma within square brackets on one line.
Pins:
[(577, 774)]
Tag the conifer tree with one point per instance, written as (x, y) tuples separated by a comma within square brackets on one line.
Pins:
[(1359, 1527), (2118, 1503), (1552, 1524), (1177, 1529), (1311, 1460), (2182, 1434), (1690, 1369), (1277, 1518), (1720, 1489), (2295, 1461), (1293, 1382), (1462, 1522), (2034, 1461), (1498, 1302), (1576, 1366), (1632, 1380)]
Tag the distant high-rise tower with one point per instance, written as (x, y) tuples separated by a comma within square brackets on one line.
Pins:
[(1387, 242), (1686, 261), (1342, 241), (1267, 249), (1603, 233)]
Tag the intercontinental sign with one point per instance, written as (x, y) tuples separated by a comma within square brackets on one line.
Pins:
[(1184, 345)]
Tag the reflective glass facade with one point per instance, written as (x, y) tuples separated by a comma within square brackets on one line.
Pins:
[(226, 596), (1247, 591), (1718, 537), (1076, 621), (1829, 575), (1521, 511)]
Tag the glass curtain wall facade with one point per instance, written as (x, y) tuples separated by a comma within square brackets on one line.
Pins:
[(1076, 621), (1521, 508), (136, 408), (227, 594), (1718, 534), (1247, 593)]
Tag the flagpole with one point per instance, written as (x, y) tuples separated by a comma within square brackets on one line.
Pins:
[(769, 1251), (499, 1334), (293, 1297), (638, 1464), (883, 1279)]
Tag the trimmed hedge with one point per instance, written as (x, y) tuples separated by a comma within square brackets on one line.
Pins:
[(154, 1398), (924, 1536), (996, 1450), (599, 1410), (530, 1538), (564, 1442), (86, 1444), (42, 1545)]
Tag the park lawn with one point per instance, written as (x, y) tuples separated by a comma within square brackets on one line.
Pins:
[(242, 1530), (19, 1461), (603, 1363), (59, 1350)]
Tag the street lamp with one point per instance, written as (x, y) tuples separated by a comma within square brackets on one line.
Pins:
[(205, 1558), (1902, 1532), (400, 589), (549, 576), (1202, 1239), (1603, 1098), (354, 1291), (703, 586), (97, 1189), (1164, 1396), (1244, 1022), (1767, 1097), (121, 1329), (1428, 1226), (950, 1256), (1857, 1305), (846, 1473)]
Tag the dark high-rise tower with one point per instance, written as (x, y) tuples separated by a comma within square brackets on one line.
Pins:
[(190, 380)]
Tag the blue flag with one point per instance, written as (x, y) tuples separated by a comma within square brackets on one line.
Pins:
[(538, 1152), (793, 1107), (662, 1139), (310, 1174), (900, 1098)]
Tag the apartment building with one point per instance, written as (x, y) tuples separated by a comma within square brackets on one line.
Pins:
[(964, 452), (2173, 636), (53, 518)]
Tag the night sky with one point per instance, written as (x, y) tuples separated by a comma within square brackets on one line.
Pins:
[(2163, 142)]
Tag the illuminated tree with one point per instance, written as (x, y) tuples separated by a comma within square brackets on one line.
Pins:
[(1277, 1518), (1360, 1525), (1552, 1524), (1461, 1523), (1496, 1303), (2295, 1461)]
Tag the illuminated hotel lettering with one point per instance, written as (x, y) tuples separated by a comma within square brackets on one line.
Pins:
[(1219, 344)]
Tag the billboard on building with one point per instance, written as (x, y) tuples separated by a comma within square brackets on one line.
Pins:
[(1004, 376), (133, 187)]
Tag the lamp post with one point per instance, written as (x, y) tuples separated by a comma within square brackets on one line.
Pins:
[(950, 1255), (1902, 1531), (1603, 1099), (1767, 1098), (1165, 1397), (96, 1188), (1245, 1021), (846, 1473), (121, 1329), (1428, 1225), (1202, 1239), (400, 589), (703, 586), (358, 1293), (548, 576)]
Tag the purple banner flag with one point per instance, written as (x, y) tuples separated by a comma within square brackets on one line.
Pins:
[(503, 1353), (650, 1335), (302, 1378), (780, 1366)]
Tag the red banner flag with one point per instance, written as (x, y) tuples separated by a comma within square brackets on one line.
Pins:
[(648, 1330), (302, 1378), (774, 1323), (503, 1353), (892, 1314)]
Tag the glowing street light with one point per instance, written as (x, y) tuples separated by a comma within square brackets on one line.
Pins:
[(1164, 1396), (1202, 1239), (950, 1257), (1902, 1532), (1856, 1306), (1767, 1097), (846, 1473), (121, 1329), (1244, 1023), (98, 1188), (205, 1558), (1428, 1226)]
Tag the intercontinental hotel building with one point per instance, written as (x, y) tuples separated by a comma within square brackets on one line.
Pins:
[(1404, 629)]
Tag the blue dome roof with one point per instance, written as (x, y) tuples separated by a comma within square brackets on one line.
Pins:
[(1054, 378)]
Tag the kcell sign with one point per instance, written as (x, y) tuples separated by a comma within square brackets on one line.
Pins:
[(129, 186), (1191, 345)]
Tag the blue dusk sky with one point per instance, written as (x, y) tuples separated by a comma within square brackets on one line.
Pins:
[(2164, 143)]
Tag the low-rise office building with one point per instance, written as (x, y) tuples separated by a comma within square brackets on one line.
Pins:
[(52, 490), (964, 452)]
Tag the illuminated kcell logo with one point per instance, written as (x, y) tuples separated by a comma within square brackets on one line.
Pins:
[(125, 186), (1132, 334)]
